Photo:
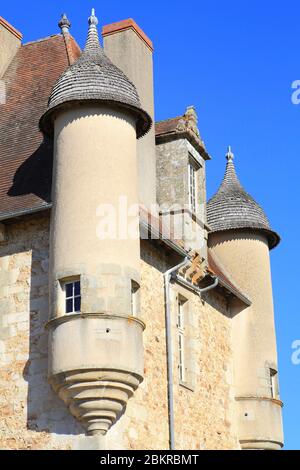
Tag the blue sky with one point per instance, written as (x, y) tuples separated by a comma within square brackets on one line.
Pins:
[(235, 61)]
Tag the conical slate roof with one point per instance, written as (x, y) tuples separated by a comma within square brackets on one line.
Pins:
[(233, 208), (93, 77)]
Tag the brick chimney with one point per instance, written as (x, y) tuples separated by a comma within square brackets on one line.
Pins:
[(10, 41), (131, 50)]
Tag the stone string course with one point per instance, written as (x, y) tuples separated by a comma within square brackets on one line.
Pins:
[(32, 417)]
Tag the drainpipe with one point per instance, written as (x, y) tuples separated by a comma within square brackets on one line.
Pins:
[(199, 291), (167, 277)]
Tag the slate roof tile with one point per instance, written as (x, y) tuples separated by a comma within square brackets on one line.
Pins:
[(93, 77), (232, 208)]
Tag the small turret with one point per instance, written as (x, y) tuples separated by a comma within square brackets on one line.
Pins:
[(93, 78), (95, 331), (241, 238), (233, 208)]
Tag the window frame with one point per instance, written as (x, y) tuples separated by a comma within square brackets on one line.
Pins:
[(193, 168), (73, 296)]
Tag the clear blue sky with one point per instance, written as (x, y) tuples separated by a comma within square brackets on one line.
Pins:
[(235, 61)]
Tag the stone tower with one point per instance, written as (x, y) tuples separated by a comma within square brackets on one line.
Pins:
[(95, 334), (241, 238)]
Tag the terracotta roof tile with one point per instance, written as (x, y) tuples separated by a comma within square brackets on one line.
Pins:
[(25, 158), (167, 126)]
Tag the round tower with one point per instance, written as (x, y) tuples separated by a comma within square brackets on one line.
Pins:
[(95, 331), (241, 238)]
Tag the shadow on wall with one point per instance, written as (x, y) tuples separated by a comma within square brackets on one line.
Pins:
[(230, 308), (25, 259), (34, 176)]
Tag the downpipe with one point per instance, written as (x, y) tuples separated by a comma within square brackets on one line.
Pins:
[(196, 289), (168, 275)]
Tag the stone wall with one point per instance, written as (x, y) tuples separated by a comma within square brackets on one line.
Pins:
[(32, 417), (10, 41), (204, 417), (172, 160)]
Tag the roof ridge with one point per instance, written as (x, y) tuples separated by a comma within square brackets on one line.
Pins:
[(168, 119), (42, 39)]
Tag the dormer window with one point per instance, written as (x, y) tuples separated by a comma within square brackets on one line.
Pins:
[(192, 174), (72, 296)]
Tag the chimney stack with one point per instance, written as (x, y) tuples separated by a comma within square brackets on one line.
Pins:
[(131, 50), (10, 41)]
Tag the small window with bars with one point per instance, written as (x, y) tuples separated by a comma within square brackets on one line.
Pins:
[(192, 170), (72, 296)]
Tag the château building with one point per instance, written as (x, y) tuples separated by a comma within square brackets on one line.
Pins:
[(133, 315)]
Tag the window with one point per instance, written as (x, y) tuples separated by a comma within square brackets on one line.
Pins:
[(192, 186), (134, 298), (181, 339), (73, 296), (273, 383)]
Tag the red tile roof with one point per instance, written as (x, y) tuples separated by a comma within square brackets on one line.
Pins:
[(167, 126), (25, 158)]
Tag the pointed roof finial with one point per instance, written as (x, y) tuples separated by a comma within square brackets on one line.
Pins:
[(94, 78), (92, 44), (93, 20), (64, 24), (229, 155)]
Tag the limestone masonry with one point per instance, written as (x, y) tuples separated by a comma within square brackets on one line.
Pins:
[(133, 314)]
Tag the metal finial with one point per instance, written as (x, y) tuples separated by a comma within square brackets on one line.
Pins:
[(92, 44), (93, 20), (229, 155), (64, 23)]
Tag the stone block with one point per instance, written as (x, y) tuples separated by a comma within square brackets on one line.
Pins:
[(89, 443)]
